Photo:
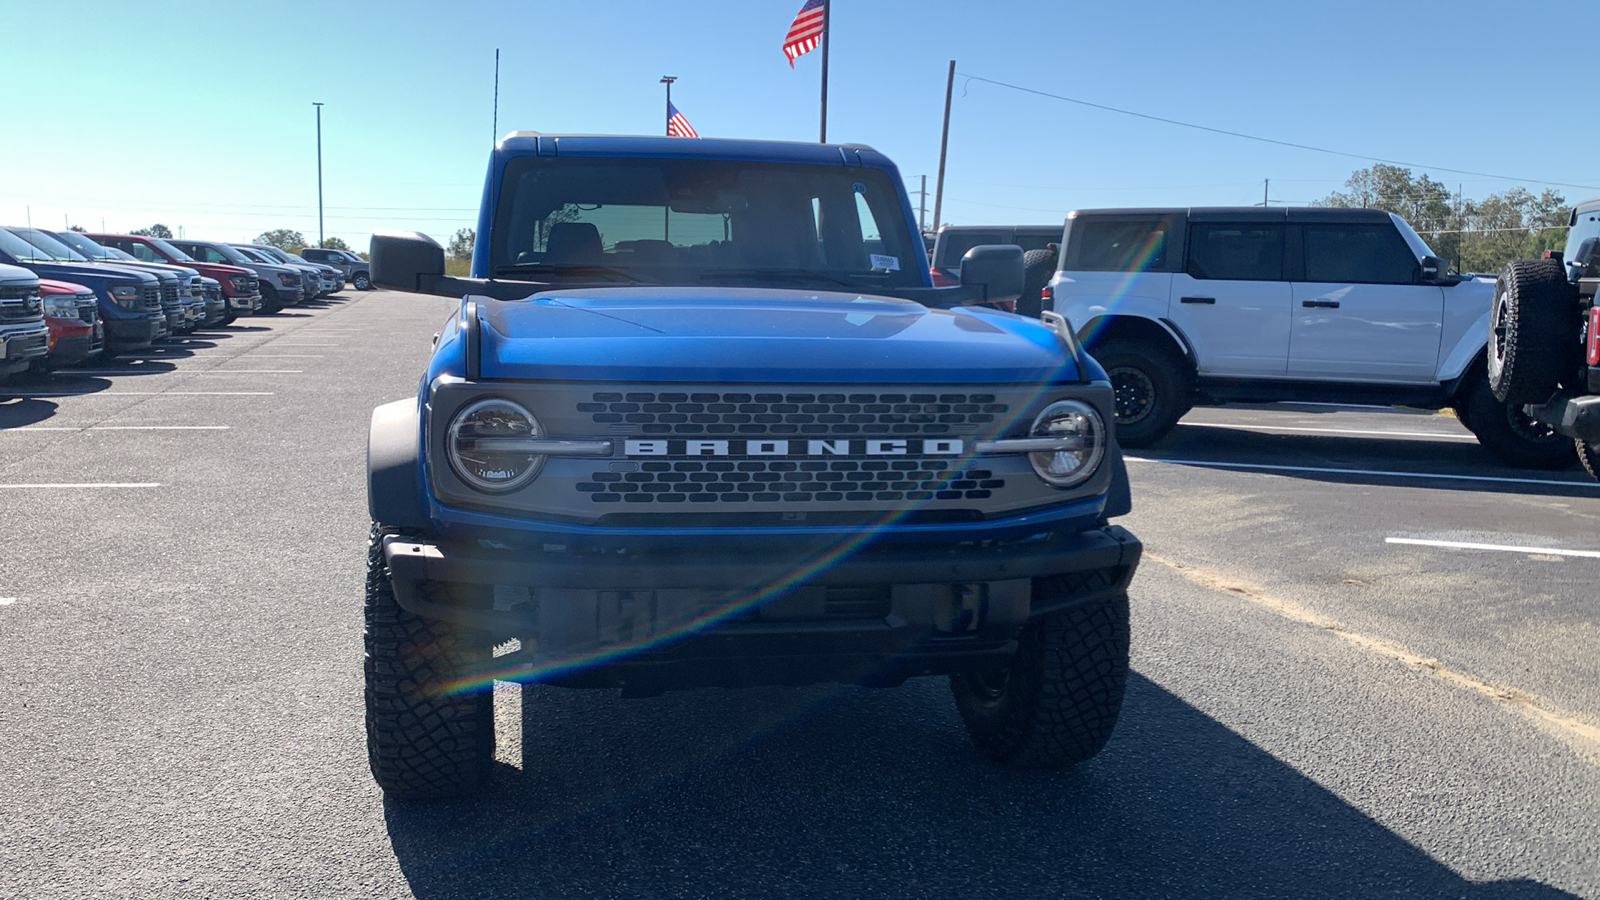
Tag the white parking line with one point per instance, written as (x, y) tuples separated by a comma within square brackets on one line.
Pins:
[(7, 601), (38, 394), (83, 485), (282, 344), (1272, 428), (1504, 548), (283, 356), (107, 372), (118, 428), (252, 372), (1436, 476)]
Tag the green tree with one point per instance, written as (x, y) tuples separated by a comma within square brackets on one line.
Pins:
[(461, 245), (157, 230), (334, 243), (78, 228), (282, 238)]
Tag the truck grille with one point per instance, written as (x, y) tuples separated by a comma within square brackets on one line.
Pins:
[(213, 291), (88, 310), (169, 294), (787, 480), (20, 303), (780, 414), (150, 297)]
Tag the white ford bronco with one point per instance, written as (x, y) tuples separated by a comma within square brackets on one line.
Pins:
[(1206, 306)]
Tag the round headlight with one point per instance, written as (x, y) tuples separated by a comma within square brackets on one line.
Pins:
[(1083, 437), (482, 444)]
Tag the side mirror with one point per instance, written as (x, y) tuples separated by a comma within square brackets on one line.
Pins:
[(994, 269), (406, 261), (1437, 271)]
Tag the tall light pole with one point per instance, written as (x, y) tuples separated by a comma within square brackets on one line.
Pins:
[(321, 238), (668, 80)]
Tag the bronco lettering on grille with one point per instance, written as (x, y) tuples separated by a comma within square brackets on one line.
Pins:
[(887, 447)]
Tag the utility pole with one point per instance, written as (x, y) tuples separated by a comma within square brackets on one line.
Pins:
[(321, 238), (823, 131), (922, 206), (944, 144), (668, 80)]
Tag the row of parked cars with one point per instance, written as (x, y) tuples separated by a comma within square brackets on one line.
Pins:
[(67, 296)]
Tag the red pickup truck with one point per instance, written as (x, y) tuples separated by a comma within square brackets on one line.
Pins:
[(239, 285), (73, 317)]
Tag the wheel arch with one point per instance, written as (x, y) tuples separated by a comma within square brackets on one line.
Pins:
[(1469, 350), (1117, 327), (394, 471)]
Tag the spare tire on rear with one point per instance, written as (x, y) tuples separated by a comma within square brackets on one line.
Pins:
[(1038, 267), (1533, 331)]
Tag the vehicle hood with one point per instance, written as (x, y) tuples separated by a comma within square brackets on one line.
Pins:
[(14, 274), (755, 335), (182, 273), (51, 286), (89, 273)]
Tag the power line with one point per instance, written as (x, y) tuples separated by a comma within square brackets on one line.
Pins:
[(1267, 140)]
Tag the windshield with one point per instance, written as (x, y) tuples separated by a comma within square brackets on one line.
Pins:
[(49, 245), (173, 252), (83, 244), (671, 220)]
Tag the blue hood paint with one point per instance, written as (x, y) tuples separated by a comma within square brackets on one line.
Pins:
[(666, 334)]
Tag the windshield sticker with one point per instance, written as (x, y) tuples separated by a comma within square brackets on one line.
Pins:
[(886, 263)]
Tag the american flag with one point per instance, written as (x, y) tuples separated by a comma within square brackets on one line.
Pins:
[(804, 32), (677, 125)]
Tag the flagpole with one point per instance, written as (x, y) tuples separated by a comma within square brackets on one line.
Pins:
[(668, 80), (823, 139)]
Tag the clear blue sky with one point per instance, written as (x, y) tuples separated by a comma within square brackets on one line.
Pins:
[(199, 114)]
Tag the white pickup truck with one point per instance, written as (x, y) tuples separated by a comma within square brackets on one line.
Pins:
[(1243, 304)]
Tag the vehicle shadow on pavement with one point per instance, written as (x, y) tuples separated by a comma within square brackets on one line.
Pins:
[(1459, 465), (845, 792), (23, 412)]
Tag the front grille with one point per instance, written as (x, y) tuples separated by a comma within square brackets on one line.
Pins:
[(775, 414), (788, 480), (150, 297), (253, 284), (20, 303), (290, 280), (213, 291), (88, 310), (18, 291), (169, 294)]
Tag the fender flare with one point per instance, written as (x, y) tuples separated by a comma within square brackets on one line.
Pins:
[(1172, 331), (394, 470), (1472, 343)]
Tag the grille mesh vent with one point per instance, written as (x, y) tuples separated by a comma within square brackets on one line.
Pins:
[(794, 414), (784, 480)]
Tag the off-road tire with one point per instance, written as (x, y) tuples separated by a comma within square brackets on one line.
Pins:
[(1152, 388), (269, 300), (1533, 330), (1512, 435), (362, 281), (1038, 267), (1589, 457), (424, 741), (1058, 701), (228, 318)]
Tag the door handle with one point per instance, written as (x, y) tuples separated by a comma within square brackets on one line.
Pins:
[(1320, 304), (1209, 301)]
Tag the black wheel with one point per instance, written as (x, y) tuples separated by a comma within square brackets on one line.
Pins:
[(1038, 267), (1152, 389), (269, 299), (362, 282), (426, 740), (229, 317), (1513, 435), (1058, 701), (1533, 330), (1589, 456)]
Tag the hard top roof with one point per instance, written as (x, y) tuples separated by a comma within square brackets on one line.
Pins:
[(1041, 229), (533, 143), (1247, 213)]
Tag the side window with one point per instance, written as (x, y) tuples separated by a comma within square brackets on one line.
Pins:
[(1587, 226), (1236, 251), (1117, 245), (1360, 254), (315, 255), (953, 245)]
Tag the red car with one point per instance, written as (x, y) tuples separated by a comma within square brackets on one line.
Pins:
[(239, 285), (73, 317)]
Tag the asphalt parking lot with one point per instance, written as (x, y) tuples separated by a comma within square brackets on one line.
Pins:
[(1366, 664)]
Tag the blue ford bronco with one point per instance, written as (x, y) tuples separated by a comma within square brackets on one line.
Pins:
[(701, 419)]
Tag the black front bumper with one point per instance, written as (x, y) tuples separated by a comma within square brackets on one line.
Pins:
[(1576, 417), (656, 621)]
